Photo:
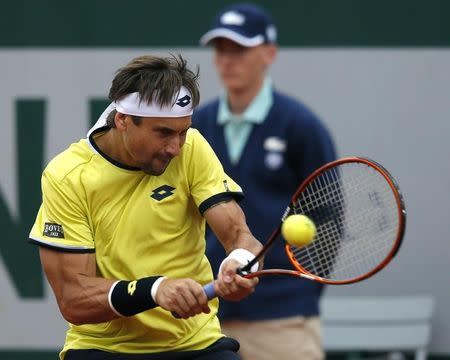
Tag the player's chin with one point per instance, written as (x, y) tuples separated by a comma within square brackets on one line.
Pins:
[(155, 169)]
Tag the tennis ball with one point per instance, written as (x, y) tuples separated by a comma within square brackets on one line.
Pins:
[(298, 230)]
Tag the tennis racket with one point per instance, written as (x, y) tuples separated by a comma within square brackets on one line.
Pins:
[(360, 217)]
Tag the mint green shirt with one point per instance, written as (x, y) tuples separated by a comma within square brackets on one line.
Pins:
[(237, 128)]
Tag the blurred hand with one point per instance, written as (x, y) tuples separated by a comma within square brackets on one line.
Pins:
[(231, 286), (185, 297)]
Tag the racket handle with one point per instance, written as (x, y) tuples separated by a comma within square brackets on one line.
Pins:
[(209, 290), (210, 294)]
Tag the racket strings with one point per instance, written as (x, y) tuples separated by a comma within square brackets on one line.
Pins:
[(356, 215)]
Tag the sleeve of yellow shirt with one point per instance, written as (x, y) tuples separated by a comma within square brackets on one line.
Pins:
[(208, 181), (61, 221)]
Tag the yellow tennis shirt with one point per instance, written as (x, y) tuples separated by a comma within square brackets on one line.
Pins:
[(138, 225)]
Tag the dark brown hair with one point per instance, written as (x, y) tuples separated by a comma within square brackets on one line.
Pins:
[(156, 79)]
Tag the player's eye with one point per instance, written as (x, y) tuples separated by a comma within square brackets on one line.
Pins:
[(166, 132)]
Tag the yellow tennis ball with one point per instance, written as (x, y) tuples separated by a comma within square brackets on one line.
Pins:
[(298, 230)]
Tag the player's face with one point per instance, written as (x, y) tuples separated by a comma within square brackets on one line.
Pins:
[(240, 67), (153, 143)]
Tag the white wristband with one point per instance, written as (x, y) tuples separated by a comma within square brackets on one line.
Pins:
[(243, 256), (109, 299), (155, 287)]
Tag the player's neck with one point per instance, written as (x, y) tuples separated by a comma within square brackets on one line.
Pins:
[(110, 143), (240, 99)]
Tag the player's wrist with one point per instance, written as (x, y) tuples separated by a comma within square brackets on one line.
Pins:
[(128, 298), (243, 256), (155, 287)]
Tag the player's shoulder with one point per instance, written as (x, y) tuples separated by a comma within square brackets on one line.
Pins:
[(195, 148), (72, 159), (192, 135), (194, 139)]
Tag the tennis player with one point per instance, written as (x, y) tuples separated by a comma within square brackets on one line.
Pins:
[(122, 222)]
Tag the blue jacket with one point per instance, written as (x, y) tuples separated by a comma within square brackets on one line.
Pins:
[(269, 176)]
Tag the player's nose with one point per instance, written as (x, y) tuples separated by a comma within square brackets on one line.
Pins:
[(174, 146)]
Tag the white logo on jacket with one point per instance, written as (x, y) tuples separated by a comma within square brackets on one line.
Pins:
[(275, 148)]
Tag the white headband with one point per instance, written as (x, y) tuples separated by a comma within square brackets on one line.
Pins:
[(132, 105)]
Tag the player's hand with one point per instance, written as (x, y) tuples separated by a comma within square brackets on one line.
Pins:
[(231, 286), (185, 297)]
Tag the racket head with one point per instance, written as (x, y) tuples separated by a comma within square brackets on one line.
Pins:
[(360, 216)]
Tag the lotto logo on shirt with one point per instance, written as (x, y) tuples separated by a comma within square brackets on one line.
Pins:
[(54, 230)]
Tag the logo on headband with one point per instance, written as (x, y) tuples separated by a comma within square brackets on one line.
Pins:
[(184, 101)]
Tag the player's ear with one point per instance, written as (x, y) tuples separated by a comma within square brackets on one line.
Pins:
[(120, 121)]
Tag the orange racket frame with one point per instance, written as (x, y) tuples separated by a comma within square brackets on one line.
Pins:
[(300, 270)]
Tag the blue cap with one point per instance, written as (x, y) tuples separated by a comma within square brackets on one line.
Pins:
[(246, 24)]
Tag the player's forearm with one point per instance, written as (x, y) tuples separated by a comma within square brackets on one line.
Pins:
[(227, 220), (84, 300), (93, 300), (241, 238), (239, 235)]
